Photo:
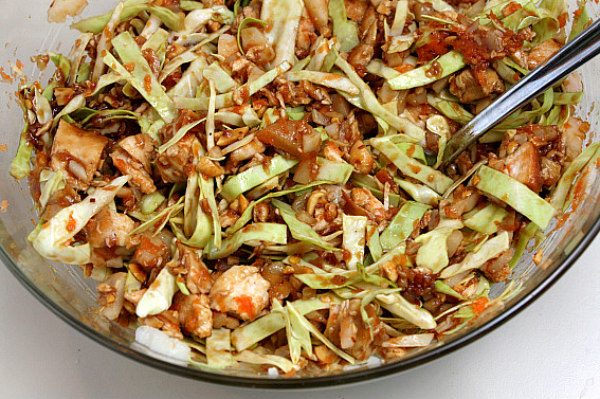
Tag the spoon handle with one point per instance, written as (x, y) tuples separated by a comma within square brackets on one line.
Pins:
[(574, 54)]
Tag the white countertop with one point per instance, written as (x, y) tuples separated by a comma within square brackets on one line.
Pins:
[(550, 350)]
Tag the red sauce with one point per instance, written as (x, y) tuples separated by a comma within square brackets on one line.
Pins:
[(245, 306), (71, 224)]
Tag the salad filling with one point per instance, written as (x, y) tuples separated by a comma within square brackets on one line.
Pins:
[(257, 183)]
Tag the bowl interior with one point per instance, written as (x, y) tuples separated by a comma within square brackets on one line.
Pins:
[(64, 290)]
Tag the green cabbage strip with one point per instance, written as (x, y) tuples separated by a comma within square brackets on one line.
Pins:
[(208, 191), (403, 224), (151, 202), (525, 235), (368, 101), (298, 338), (50, 182), (300, 230), (159, 296), (333, 172), (409, 167), (373, 185), (75, 104), (249, 334), (158, 221), (521, 118), (581, 20), (196, 223), (329, 281), (131, 9), (451, 110), (52, 241), (398, 306), (515, 194), (558, 198), (262, 359), (354, 231), (344, 30), (218, 349), (223, 82), (20, 166), (283, 19), (141, 77), (419, 192), (474, 260), (304, 323), (441, 286), (255, 176), (433, 252), (247, 214), (227, 100), (374, 243), (267, 232), (446, 64), (485, 220), (331, 80), (242, 26)]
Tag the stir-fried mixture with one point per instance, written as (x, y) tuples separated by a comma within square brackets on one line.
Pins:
[(257, 184)]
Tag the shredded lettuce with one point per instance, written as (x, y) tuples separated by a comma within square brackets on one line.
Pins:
[(255, 176), (489, 250), (515, 194), (300, 230), (53, 240)]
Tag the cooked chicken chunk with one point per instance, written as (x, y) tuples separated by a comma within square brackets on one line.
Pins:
[(241, 291), (542, 52), (195, 315), (524, 165), (468, 88), (77, 152), (132, 158), (152, 252), (172, 163), (198, 279), (109, 229)]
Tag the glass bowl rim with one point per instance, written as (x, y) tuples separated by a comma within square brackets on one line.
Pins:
[(309, 382)]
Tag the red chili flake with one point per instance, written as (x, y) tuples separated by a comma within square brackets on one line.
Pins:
[(480, 305), (245, 305), (3, 147), (148, 83), (5, 77), (130, 67), (71, 224)]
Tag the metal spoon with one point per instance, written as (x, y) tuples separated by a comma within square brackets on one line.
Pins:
[(576, 53)]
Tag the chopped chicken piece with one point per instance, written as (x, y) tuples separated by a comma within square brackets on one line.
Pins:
[(152, 252), (524, 165), (133, 159), (77, 153), (542, 52), (195, 315), (241, 291), (109, 229), (469, 89), (61, 9), (112, 294), (172, 163)]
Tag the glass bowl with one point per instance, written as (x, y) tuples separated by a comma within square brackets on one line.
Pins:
[(64, 290)]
